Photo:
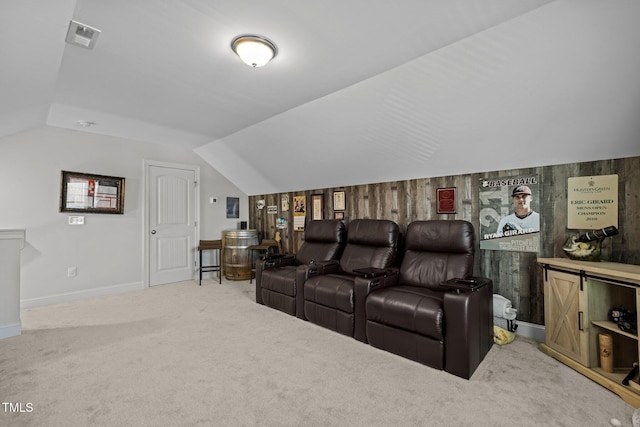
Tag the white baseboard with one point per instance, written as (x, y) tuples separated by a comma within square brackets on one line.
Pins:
[(531, 330), (13, 330), (79, 295)]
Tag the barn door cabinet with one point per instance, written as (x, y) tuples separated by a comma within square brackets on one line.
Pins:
[(577, 298)]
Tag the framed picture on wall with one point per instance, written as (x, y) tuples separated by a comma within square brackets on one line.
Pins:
[(446, 200), (338, 215), (233, 207), (299, 212), (284, 203), (339, 203), (317, 202), (91, 193)]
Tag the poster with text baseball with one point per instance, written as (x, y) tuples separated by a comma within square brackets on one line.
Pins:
[(509, 218)]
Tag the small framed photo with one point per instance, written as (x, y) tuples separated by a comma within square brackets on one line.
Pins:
[(233, 207), (284, 203), (446, 200), (339, 203), (90, 193), (338, 215), (281, 223), (317, 202)]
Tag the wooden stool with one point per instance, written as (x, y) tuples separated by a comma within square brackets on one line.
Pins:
[(265, 247), (210, 245)]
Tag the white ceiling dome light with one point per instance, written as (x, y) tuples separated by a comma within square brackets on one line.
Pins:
[(255, 51)]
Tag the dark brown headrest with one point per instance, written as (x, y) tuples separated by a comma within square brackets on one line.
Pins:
[(326, 230), (437, 251), (454, 236), (373, 232)]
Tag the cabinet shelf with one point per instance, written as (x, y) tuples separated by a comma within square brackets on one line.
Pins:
[(611, 326)]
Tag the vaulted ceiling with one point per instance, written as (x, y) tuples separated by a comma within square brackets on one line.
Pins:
[(361, 91)]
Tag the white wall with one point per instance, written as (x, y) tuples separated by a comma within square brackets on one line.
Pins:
[(108, 250)]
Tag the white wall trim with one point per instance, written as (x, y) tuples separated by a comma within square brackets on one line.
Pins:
[(10, 330), (531, 330), (79, 295), (13, 234)]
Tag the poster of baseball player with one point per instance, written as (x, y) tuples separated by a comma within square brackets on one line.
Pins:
[(509, 220)]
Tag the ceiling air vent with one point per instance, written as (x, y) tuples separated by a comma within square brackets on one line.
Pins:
[(82, 35)]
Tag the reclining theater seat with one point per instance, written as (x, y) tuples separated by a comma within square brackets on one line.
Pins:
[(280, 279), (329, 299), (412, 315)]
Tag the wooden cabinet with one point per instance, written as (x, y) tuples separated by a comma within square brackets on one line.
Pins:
[(578, 296)]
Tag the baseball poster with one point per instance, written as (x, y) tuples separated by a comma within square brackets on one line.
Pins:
[(509, 218)]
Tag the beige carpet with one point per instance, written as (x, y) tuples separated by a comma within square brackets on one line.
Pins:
[(184, 355)]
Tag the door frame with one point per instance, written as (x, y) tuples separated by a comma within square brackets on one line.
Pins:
[(147, 164)]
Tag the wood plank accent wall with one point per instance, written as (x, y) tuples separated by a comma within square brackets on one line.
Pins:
[(515, 275)]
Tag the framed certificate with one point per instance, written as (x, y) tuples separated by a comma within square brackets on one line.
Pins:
[(338, 201), (317, 202), (446, 200)]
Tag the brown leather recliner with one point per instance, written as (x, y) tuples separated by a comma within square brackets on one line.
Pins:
[(328, 295), (413, 315), (279, 279)]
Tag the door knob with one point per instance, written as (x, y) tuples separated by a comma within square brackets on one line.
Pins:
[(153, 231)]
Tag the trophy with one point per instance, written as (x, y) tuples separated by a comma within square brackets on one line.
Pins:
[(587, 247)]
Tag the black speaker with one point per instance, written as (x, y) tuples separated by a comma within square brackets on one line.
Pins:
[(243, 225)]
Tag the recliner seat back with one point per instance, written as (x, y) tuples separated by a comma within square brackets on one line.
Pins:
[(370, 243), (323, 240), (436, 251)]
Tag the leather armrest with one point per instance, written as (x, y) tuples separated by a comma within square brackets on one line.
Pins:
[(259, 269), (372, 272), (303, 272), (468, 318), (268, 263), (323, 267), (465, 285), (276, 261), (362, 287)]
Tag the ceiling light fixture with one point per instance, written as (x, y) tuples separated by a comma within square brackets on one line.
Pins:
[(255, 51)]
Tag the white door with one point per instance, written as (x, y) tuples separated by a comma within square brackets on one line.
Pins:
[(171, 224)]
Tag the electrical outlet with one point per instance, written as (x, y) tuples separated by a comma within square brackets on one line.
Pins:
[(72, 271), (76, 220)]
